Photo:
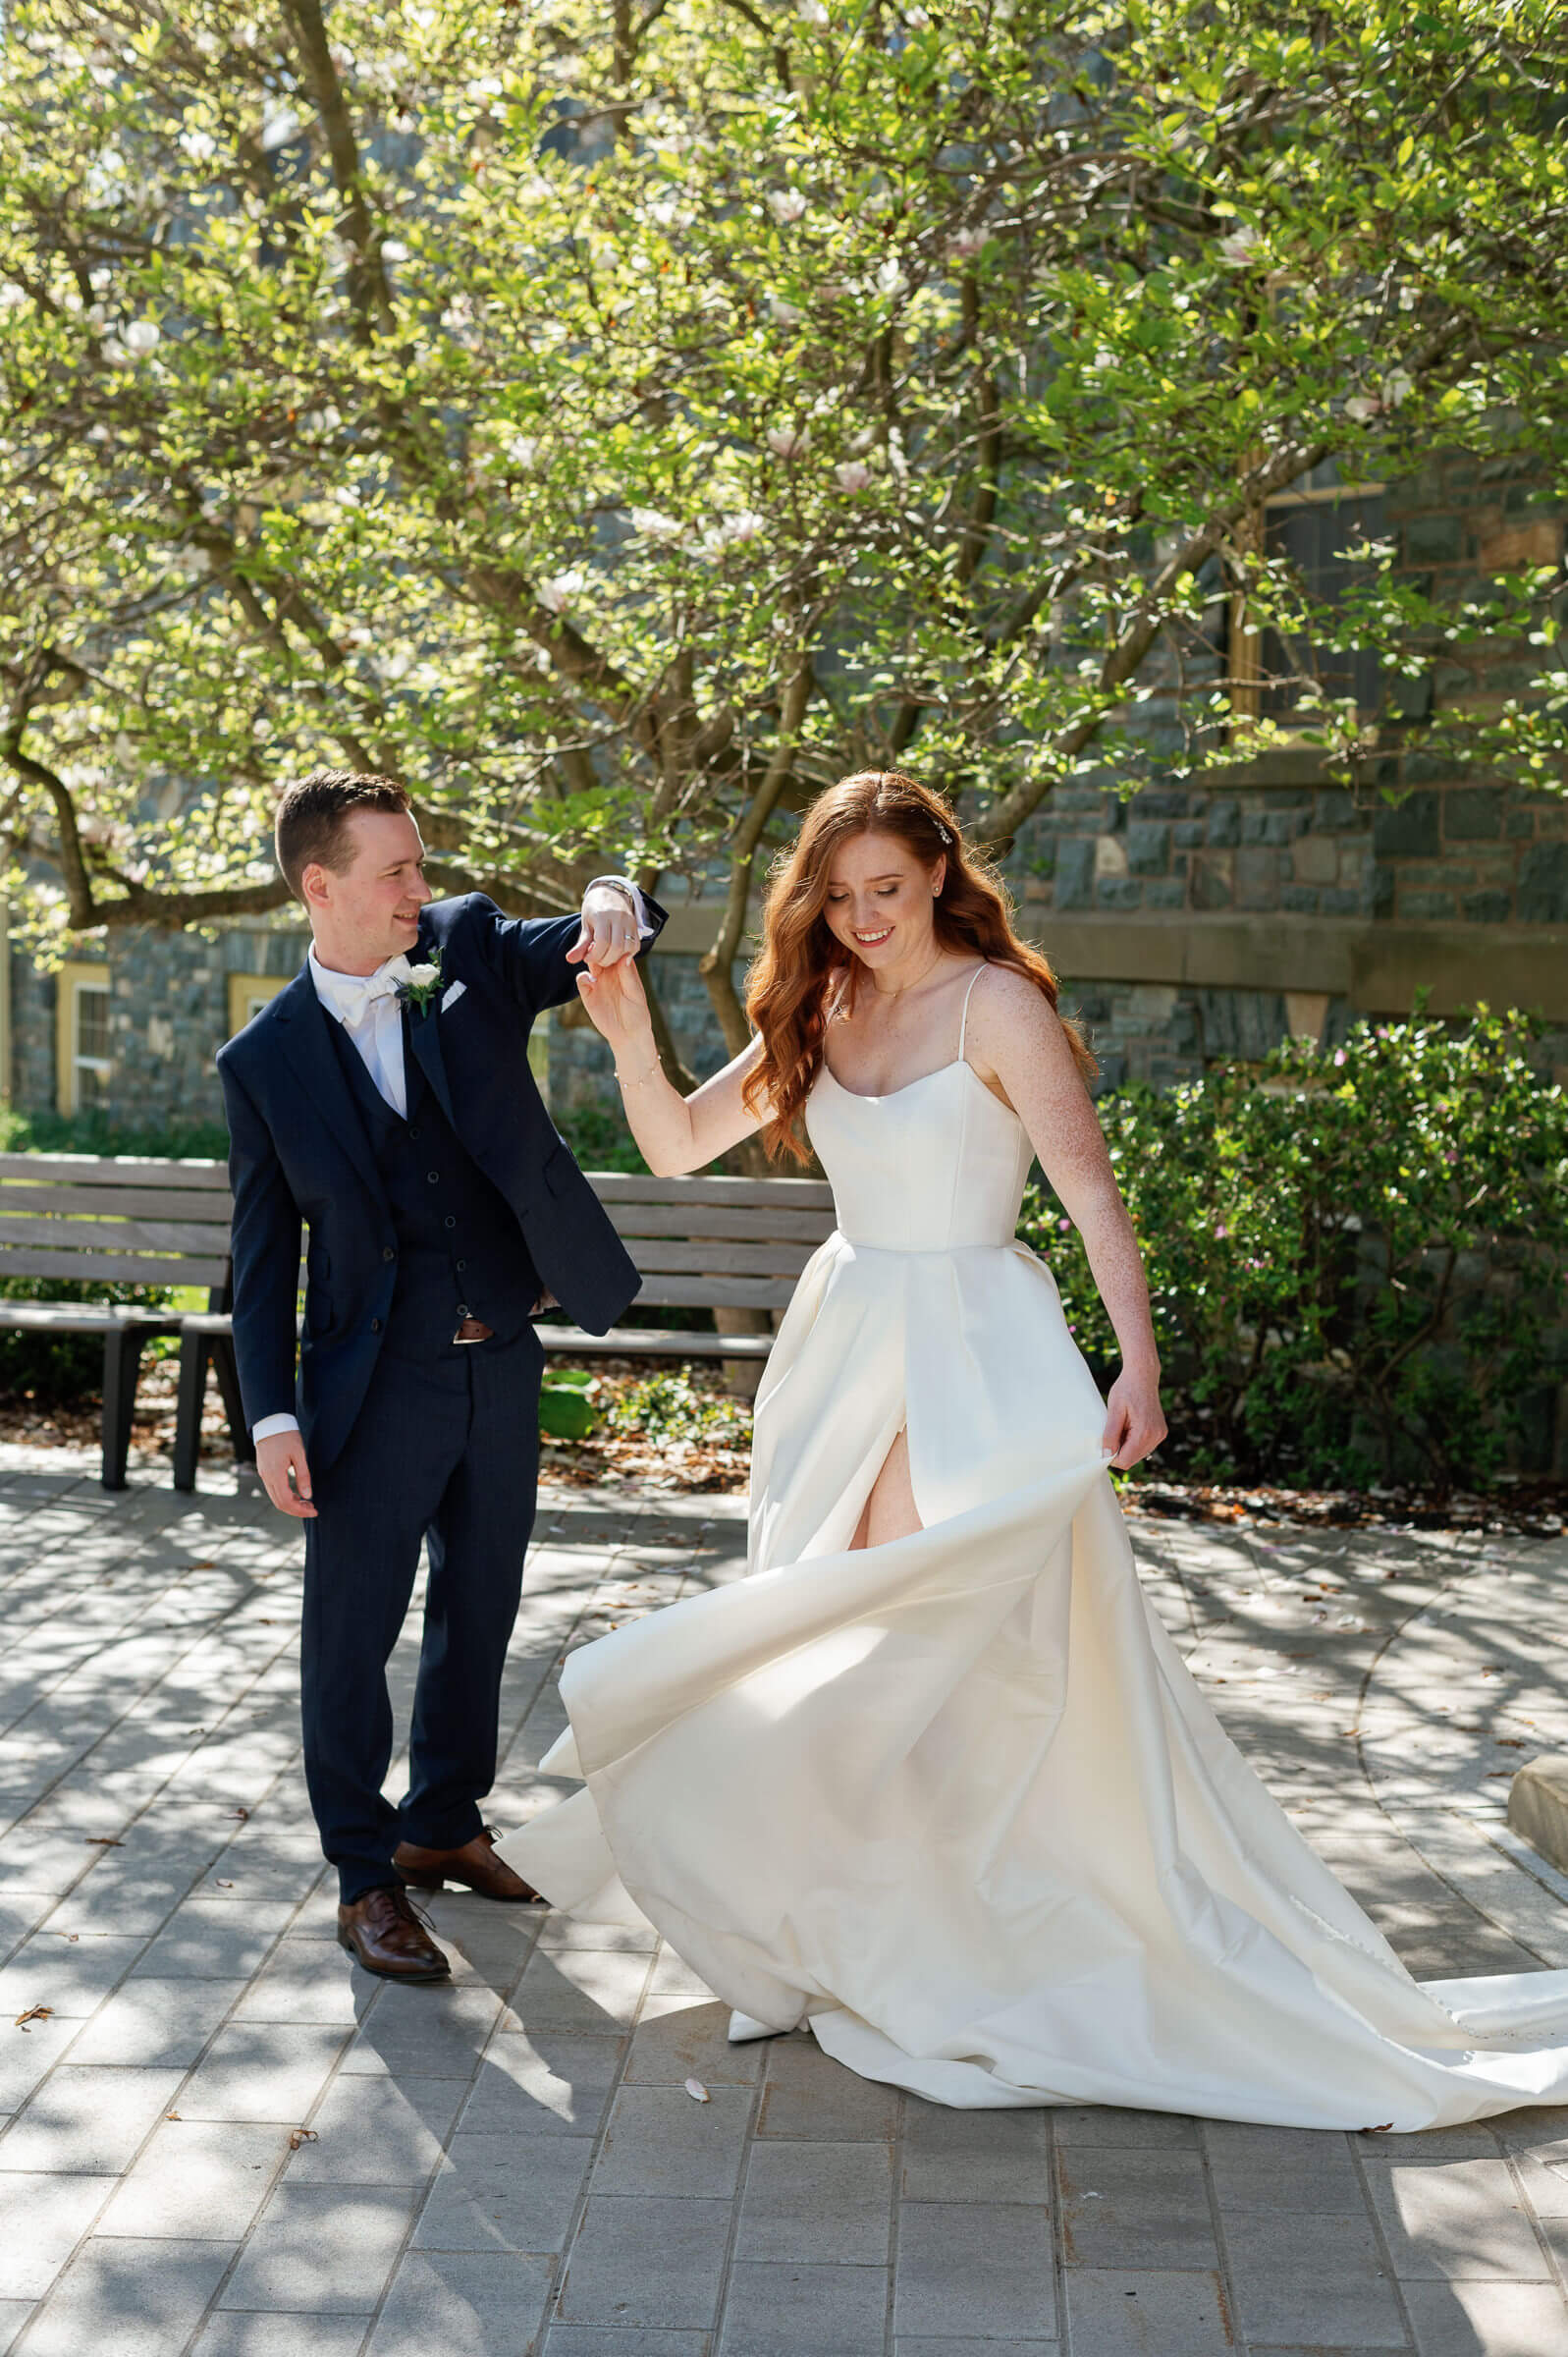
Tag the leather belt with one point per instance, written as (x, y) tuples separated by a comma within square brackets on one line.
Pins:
[(473, 1330)]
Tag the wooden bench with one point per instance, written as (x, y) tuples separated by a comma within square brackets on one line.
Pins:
[(727, 1245), (718, 1245), (106, 1220)]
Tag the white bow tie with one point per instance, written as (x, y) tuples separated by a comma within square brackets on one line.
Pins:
[(370, 989)]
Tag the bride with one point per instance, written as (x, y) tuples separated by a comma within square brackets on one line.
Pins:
[(933, 1779)]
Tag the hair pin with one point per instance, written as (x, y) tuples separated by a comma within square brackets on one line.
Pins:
[(943, 832)]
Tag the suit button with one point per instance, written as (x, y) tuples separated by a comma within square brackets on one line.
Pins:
[(375, 1325), (432, 1178), (387, 1252), (448, 1221), (460, 1265), (414, 1129)]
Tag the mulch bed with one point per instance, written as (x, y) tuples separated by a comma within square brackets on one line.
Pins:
[(705, 1463)]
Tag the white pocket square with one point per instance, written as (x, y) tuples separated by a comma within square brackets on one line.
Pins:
[(452, 994)]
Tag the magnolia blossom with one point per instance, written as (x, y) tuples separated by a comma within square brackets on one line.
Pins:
[(1363, 407), (279, 125), (1397, 385), (785, 205), (734, 532), (888, 278), (853, 475), (654, 525), (812, 12), (788, 314), (140, 338), (199, 145), (558, 589), (523, 451), (788, 441), (1239, 247)]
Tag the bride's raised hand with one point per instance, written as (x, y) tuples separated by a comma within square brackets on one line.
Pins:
[(617, 1006)]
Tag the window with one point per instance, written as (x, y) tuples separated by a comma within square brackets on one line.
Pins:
[(249, 993), (83, 1057), (1310, 526)]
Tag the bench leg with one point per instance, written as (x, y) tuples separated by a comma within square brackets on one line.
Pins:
[(226, 1367), (122, 1363), (193, 1349)]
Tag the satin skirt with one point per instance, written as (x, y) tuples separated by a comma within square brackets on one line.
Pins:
[(954, 1801)]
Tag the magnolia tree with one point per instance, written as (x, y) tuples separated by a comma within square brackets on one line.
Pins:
[(617, 421)]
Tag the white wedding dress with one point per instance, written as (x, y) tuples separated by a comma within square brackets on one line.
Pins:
[(954, 1801)]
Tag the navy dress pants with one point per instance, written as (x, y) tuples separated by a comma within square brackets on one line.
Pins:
[(444, 1450)]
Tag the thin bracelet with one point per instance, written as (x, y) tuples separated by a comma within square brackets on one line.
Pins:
[(648, 1076)]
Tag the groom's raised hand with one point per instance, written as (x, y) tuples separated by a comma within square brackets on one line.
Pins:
[(610, 927), (284, 1474)]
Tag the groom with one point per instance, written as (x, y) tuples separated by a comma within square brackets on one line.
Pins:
[(384, 1101)]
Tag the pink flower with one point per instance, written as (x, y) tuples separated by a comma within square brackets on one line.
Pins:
[(1219, 1232), (1339, 1054)]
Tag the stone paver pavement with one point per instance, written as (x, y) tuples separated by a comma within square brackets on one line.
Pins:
[(219, 2141)]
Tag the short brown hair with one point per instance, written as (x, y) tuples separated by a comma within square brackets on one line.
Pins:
[(312, 817)]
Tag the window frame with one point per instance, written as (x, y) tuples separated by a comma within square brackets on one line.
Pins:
[(74, 977), (247, 994)]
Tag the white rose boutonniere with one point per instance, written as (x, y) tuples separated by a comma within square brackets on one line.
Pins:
[(422, 986)]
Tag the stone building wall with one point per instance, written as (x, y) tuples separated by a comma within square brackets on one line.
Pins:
[(169, 1016)]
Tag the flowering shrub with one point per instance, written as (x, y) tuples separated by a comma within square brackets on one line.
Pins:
[(1356, 1257)]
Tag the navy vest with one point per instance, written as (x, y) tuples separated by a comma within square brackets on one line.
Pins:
[(460, 1250)]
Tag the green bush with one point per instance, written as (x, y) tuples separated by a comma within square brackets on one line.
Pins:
[(665, 1408), (1356, 1257), (93, 1133), (599, 1138)]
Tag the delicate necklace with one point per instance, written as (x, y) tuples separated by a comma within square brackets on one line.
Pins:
[(903, 987)]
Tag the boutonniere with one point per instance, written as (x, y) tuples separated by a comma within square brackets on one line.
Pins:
[(422, 986)]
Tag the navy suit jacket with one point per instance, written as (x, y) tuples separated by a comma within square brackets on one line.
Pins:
[(300, 1152)]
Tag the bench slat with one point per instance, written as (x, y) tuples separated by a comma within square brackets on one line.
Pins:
[(654, 1342), (791, 1195), (717, 1293), (634, 1221), (113, 1236), (210, 1211), (696, 1257), (86, 1317), (116, 1170), (110, 1268)]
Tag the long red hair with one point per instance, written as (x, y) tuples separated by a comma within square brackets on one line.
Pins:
[(788, 991)]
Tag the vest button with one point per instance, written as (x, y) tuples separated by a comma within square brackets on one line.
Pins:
[(448, 1221), (387, 1252), (375, 1325), (414, 1129), (432, 1178), (460, 1264)]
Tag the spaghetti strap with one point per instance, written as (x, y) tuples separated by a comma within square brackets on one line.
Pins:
[(963, 1022)]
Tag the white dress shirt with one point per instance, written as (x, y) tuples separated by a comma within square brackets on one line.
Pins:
[(370, 1011)]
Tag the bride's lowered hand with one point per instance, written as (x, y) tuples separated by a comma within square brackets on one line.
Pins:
[(1134, 1424)]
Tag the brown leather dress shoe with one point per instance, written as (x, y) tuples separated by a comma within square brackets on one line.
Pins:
[(383, 1932), (475, 1866)]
